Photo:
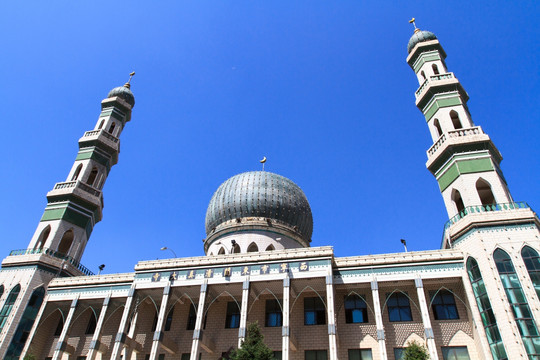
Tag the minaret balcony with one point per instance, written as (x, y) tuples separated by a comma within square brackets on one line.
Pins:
[(48, 257), (476, 216), (78, 189), (102, 139), (438, 84)]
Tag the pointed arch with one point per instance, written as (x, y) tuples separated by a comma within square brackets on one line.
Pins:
[(221, 251), (252, 247), (270, 248), (92, 322), (65, 242), (456, 122), (76, 173), (111, 128), (435, 69), (1, 291), (8, 305), (437, 125), (92, 177), (101, 124), (42, 238), (532, 263), (483, 188), (458, 201), (423, 75)]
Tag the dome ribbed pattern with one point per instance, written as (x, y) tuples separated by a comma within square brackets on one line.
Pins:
[(261, 194), (420, 36), (124, 93)]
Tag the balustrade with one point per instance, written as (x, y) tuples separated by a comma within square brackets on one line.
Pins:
[(55, 254)]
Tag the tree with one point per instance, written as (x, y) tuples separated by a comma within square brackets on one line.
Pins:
[(253, 347), (415, 351)]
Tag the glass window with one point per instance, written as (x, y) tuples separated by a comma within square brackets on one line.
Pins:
[(355, 309), (399, 353), (399, 308), (168, 321), (532, 263), (192, 317), (444, 306), (314, 311), (232, 320), (486, 313), (360, 354), (277, 355), (8, 305), (518, 302), (455, 353), (315, 355), (273, 313)]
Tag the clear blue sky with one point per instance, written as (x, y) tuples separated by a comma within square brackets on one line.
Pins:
[(321, 88)]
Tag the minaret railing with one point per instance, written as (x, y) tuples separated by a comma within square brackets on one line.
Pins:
[(55, 254), (475, 209), (431, 79), (476, 130)]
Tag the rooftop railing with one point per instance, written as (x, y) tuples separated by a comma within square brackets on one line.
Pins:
[(433, 78), (476, 130), (476, 209), (103, 132), (71, 184), (54, 254)]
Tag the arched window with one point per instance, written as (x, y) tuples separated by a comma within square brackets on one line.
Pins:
[(111, 128), (101, 124), (91, 327), (92, 176), (532, 263), (25, 324), (76, 173), (437, 126), (59, 326), (435, 69), (8, 305), (486, 312), (423, 75), (399, 307), (252, 248), (65, 243), (270, 248), (221, 251), (1, 291), (444, 306), (455, 120), (43, 238), (458, 201), (192, 317), (518, 302), (168, 321), (355, 309), (484, 192)]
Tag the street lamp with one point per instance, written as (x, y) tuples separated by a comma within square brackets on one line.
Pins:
[(404, 244), (101, 267), (171, 250)]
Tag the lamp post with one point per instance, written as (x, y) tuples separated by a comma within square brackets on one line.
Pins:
[(101, 267), (171, 250), (404, 242)]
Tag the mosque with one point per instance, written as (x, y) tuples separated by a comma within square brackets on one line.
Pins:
[(477, 297)]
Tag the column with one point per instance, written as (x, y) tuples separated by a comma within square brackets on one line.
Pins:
[(243, 312), (198, 322), (285, 332), (34, 327), (121, 334), (158, 334), (94, 344), (61, 345), (430, 339), (332, 341), (378, 318)]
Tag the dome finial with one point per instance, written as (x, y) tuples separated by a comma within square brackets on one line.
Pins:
[(413, 21), (263, 161), (128, 84)]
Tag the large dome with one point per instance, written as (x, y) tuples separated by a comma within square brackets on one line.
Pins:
[(123, 92), (261, 194), (418, 37)]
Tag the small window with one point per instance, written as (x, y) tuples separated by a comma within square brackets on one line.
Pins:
[(65, 242), (360, 354), (484, 192), (43, 238), (399, 308), (455, 353), (423, 75), (192, 318), (221, 251), (168, 321), (232, 320), (76, 173), (92, 176), (399, 353), (252, 247), (270, 248), (444, 306), (458, 201), (273, 313), (59, 326), (91, 327), (355, 309), (532, 263), (316, 355), (101, 124), (277, 355), (314, 311), (455, 120), (435, 69), (111, 129), (1, 290), (437, 126)]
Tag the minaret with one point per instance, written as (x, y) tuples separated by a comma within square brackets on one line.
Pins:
[(496, 235), (73, 208)]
